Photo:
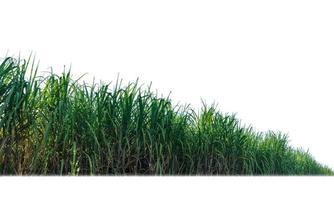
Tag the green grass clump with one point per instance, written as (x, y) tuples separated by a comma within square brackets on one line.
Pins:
[(53, 125)]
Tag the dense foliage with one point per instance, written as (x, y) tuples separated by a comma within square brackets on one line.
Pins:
[(55, 126)]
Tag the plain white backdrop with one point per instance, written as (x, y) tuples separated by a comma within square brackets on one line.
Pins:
[(268, 61)]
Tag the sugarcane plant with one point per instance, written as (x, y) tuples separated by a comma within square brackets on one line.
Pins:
[(56, 125)]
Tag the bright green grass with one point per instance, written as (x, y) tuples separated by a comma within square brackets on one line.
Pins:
[(55, 126)]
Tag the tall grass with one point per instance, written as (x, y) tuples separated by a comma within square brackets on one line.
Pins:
[(53, 125)]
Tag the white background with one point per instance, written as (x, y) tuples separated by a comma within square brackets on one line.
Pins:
[(268, 61), (167, 188)]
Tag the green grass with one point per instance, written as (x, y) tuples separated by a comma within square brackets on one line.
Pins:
[(53, 125)]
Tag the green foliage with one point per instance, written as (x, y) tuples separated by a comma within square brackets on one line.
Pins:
[(55, 126)]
